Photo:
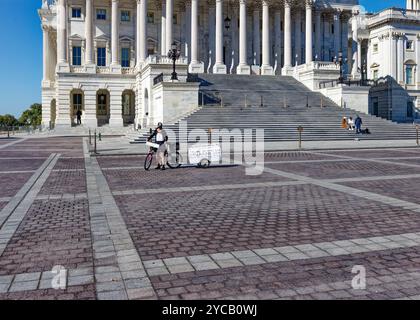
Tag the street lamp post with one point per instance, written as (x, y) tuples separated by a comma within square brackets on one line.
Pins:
[(340, 61), (174, 54)]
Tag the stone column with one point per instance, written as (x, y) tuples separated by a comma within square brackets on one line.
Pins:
[(309, 53), (266, 68), (345, 45), (355, 47), (45, 56), (195, 66), (115, 31), (418, 67), (89, 61), (169, 24), (277, 38), (400, 58), (256, 34), (61, 32), (337, 33), (219, 66), (287, 36), (163, 51), (116, 119), (141, 47), (188, 30), (318, 38), (298, 37), (212, 36), (243, 67)]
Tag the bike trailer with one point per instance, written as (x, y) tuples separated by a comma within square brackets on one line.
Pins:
[(204, 154)]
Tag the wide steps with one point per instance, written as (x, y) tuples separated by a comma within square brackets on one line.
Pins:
[(234, 102)]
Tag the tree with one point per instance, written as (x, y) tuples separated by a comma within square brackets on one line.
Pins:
[(8, 120), (32, 116)]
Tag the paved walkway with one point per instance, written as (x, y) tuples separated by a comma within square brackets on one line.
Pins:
[(297, 231)]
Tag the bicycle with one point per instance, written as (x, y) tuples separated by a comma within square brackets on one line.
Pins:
[(171, 163)]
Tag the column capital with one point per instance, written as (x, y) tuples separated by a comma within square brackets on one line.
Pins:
[(309, 3)]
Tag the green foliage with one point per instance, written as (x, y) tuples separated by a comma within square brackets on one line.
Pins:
[(8, 120), (32, 116)]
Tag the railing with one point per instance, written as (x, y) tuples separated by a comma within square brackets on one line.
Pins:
[(77, 69), (13, 130), (349, 83), (155, 59), (102, 70), (128, 70), (158, 79)]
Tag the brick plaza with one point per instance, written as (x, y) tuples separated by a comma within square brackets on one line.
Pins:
[(294, 232)]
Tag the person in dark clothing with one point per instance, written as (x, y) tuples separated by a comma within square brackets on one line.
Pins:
[(79, 117), (358, 124)]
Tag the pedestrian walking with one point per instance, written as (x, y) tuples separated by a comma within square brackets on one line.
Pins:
[(79, 117)]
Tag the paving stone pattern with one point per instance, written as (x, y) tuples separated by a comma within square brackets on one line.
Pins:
[(294, 232)]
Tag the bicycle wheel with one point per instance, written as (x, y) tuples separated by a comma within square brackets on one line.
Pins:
[(175, 162), (148, 161)]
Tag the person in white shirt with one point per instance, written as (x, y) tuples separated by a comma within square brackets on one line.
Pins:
[(160, 138)]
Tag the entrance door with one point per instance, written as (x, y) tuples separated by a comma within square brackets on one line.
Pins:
[(77, 99)]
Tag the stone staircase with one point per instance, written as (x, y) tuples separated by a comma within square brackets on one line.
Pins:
[(278, 105)]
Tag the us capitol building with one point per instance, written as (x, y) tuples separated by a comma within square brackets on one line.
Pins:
[(109, 58)]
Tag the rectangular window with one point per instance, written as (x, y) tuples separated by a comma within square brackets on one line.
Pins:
[(125, 16), (409, 75), (125, 57), (410, 45), (77, 56), (375, 74), (175, 17), (101, 57), (375, 48), (100, 14), (76, 13), (150, 17)]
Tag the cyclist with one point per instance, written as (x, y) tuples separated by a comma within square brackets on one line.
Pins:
[(160, 138)]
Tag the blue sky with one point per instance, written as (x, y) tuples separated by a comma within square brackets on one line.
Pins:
[(21, 58)]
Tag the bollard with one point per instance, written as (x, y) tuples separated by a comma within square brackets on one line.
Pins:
[(100, 136), (221, 101), (322, 102), (284, 102), (90, 137), (94, 147), (300, 130), (210, 130), (8, 132), (307, 102), (246, 101), (262, 102), (417, 135)]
